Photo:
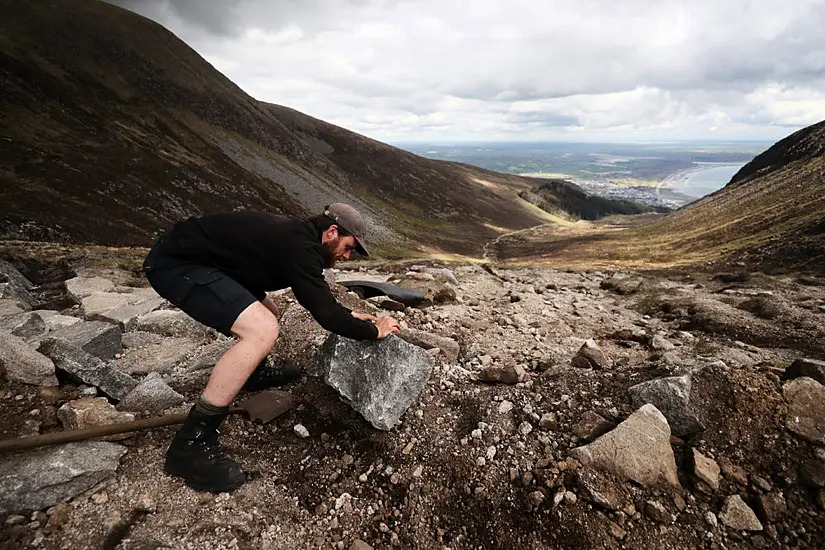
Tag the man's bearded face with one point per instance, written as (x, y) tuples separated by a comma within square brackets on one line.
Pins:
[(339, 248)]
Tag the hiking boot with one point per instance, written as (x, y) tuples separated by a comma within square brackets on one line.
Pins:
[(196, 455), (264, 377)]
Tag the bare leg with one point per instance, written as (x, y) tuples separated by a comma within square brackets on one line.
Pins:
[(257, 330)]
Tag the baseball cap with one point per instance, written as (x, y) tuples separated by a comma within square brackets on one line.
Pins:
[(350, 219)]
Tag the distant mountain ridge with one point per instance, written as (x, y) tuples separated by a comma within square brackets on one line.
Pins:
[(111, 129)]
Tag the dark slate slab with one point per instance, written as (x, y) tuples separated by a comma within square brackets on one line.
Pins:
[(86, 368), (99, 338), (369, 289)]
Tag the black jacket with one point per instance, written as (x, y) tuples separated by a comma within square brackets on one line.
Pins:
[(266, 252)]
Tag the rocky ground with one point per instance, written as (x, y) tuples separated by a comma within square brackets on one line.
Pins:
[(563, 410)]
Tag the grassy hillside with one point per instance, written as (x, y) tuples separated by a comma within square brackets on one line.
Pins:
[(771, 216), (111, 129)]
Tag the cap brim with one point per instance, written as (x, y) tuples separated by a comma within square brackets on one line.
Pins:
[(360, 248)]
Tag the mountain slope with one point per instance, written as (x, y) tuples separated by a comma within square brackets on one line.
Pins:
[(111, 129)]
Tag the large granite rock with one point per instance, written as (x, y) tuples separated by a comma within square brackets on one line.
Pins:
[(23, 363), (39, 479), (87, 368), (151, 395), (638, 450), (671, 396), (427, 340), (806, 401), (103, 340), (379, 379)]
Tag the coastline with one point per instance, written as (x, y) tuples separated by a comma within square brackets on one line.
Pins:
[(671, 181)]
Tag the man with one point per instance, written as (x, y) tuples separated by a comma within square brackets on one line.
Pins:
[(217, 269)]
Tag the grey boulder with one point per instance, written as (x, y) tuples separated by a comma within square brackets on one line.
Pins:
[(638, 449), (379, 379), (87, 368), (671, 396), (152, 395), (806, 401), (37, 480), (24, 364)]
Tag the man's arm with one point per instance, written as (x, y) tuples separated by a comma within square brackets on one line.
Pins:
[(270, 305)]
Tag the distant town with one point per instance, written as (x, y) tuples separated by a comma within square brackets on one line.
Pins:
[(654, 174)]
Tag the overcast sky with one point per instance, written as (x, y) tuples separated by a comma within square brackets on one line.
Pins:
[(521, 70)]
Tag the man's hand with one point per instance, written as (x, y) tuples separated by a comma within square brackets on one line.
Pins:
[(387, 326), (364, 316)]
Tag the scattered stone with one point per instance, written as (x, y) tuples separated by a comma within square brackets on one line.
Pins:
[(359, 544), (525, 428), (151, 395), (24, 364), (169, 322), (622, 283), (123, 315), (43, 478), (806, 367), (761, 483), (590, 355), (91, 412), (301, 431), (706, 469), (536, 498), (638, 450), (505, 406), (771, 507), (503, 374), (660, 343), (806, 401), (426, 340), (615, 531), (58, 517), (738, 515), (671, 396), (710, 519), (656, 511), (100, 339), (548, 421), (87, 368), (162, 358), (600, 490), (385, 302), (591, 426), (733, 472)]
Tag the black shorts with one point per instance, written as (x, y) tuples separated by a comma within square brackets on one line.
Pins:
[(205, 293)]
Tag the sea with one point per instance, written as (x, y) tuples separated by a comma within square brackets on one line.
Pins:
[(703, 180)]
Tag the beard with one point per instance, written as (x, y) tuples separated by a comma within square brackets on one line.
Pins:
[(329, 260)]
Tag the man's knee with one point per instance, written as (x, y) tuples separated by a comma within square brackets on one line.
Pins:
[(256, 323)]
